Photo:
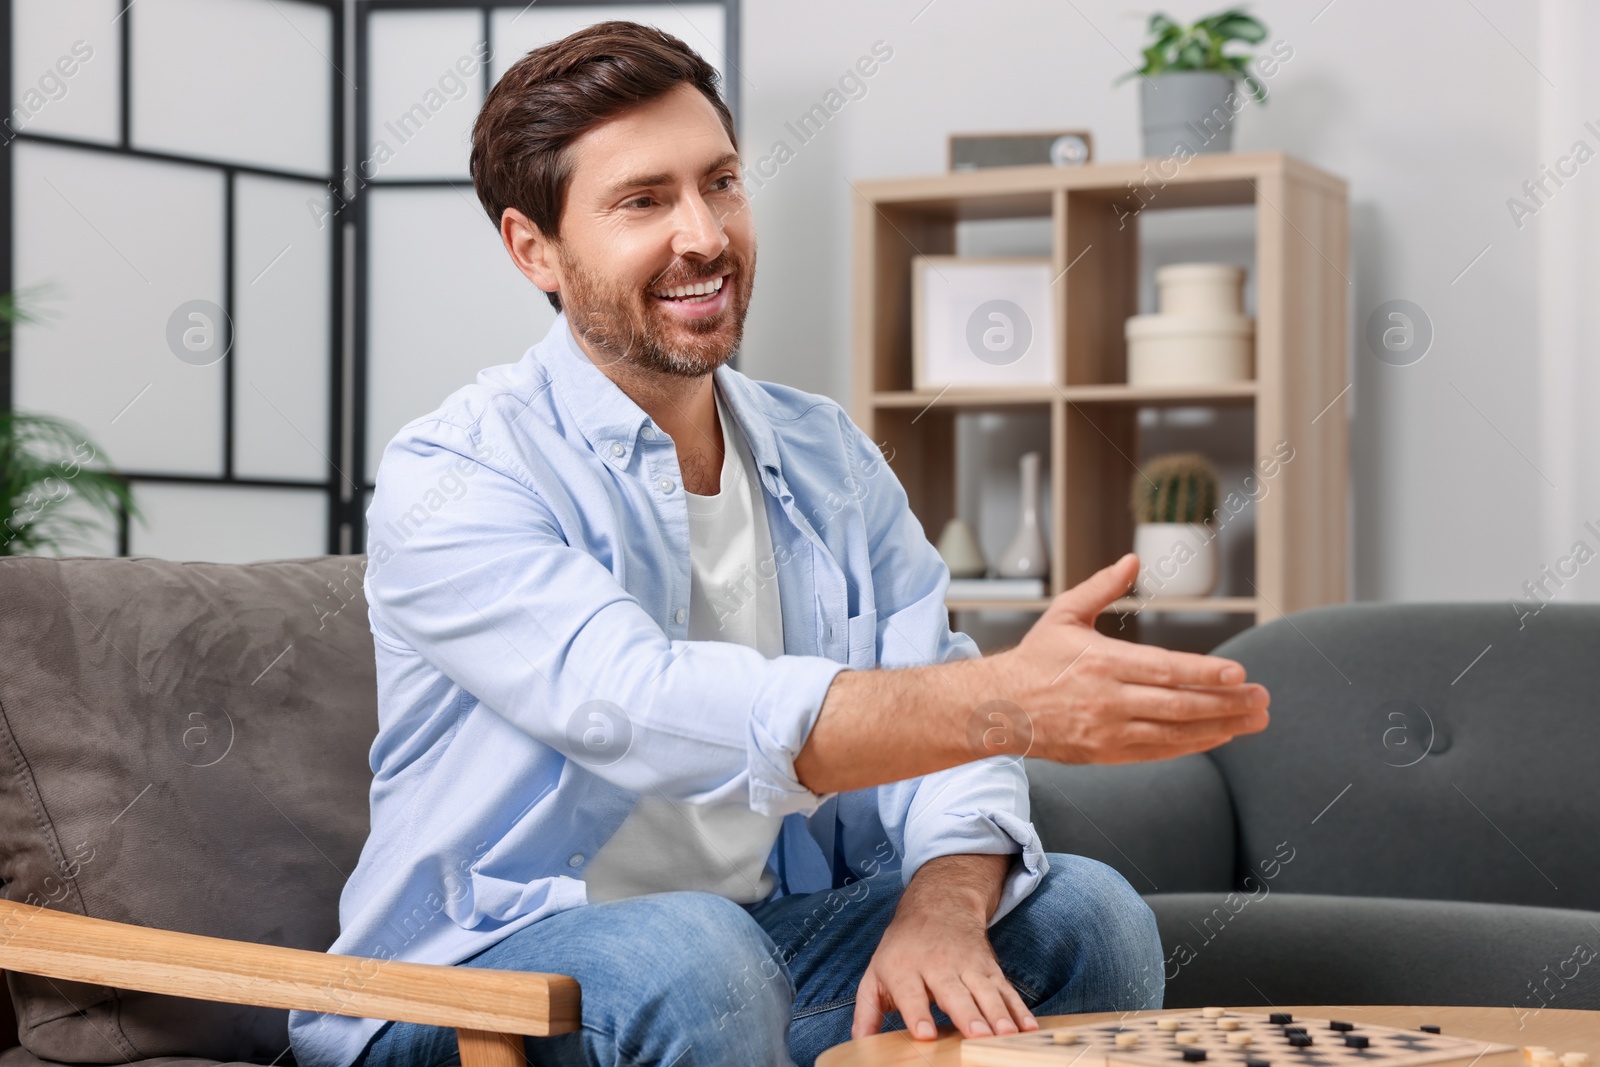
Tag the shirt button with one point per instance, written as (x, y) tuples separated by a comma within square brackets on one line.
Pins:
[(616, 448), (665, 485), (680, 616), (575, 860), (649, 433)]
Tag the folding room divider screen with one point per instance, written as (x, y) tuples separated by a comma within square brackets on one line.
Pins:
[(250, 245)]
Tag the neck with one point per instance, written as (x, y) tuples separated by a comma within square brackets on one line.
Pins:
[(685, 409)]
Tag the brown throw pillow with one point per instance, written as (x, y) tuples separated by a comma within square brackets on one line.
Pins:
[(182, 746)]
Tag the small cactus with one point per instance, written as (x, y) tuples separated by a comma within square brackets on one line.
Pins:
[(1177, 488)]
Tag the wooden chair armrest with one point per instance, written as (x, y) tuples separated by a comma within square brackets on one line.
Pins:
[(472, 1000)]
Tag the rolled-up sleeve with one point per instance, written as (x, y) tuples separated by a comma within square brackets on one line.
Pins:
[(486, 588), (978, 808)]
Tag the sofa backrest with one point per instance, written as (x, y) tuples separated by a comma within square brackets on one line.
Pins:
[(184, 746), (1444, 751), (1167, 827)]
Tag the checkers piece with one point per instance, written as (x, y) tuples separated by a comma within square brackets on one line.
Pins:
[(1280, 1018), (1213, 1013), (1355, 1041), (1064, 1037), (1335, 1024), (1127, 1040), (1256, 1061), (1299, 1039), (1194, 1055), (1168, 1024), (1187, 1037), (1430, 1028), (1241, 1038), (1229, 1024)]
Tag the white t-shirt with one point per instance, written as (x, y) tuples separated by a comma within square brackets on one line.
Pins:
[(665, 844)]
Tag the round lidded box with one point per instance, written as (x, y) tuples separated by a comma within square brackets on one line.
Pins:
[(1200, 289), (1191, 349)]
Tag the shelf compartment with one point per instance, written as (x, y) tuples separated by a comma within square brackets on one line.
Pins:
[(966, 397), (1163, 395)]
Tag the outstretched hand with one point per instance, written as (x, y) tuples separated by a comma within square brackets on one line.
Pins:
[(1091, 698)]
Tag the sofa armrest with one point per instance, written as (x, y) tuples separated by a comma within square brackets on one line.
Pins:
[(58, 944)]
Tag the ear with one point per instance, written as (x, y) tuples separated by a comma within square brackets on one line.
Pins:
[(532, 252)]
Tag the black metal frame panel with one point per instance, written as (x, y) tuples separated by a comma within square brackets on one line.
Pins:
[(332, 484)]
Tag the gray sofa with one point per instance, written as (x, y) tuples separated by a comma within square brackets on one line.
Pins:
[(1418, 825), (184, 746)]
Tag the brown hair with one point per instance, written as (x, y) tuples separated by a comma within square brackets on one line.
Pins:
[(556, 93)]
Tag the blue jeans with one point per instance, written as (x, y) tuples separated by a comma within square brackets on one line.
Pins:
[(685, 979)]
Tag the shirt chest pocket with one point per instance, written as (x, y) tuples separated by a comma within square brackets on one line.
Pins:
[(862, 640)]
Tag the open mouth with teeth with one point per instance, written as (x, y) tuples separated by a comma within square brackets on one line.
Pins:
[(702, 292)]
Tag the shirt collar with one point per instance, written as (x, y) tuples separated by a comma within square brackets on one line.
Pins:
[(608, 417)]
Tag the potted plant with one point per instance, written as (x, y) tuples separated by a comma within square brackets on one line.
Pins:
[(43, 462), (1173, 499), (1188, 95)]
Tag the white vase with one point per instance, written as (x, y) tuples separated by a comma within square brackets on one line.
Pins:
[(958, 547), (1027, 556), (1175, 559)]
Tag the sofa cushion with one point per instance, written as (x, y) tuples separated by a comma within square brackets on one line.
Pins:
[(182, 746), (1271, 947), (1439, 751), (1166, 827)]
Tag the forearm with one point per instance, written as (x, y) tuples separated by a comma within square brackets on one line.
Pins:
[(882, 726), (966, 885)]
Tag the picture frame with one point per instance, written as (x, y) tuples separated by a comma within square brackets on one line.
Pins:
[(982, 322)]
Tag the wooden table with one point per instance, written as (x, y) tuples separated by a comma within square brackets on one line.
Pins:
[(1557, 1029)]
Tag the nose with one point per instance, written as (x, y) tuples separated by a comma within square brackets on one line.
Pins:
[(699, 229)]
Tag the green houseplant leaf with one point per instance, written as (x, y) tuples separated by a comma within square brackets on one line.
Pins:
[(1202, 45), (44, 462)]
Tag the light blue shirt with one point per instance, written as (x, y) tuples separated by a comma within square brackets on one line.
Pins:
[(528, 590)]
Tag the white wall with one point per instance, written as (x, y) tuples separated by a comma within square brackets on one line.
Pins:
[(1430, 110)]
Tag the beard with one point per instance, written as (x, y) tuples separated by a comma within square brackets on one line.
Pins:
[(627, 325)]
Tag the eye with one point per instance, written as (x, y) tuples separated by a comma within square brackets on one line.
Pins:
[(638, 201), (727, 181)]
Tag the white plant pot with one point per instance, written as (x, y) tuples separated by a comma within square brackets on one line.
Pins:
[(1190, 349), (1175, 559), (1200, 289)]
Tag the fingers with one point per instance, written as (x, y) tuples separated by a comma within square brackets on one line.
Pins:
[(910, 997), (1086, 600), (1150, 665), (1160, 704), (988, 992), (1182, 738), (956, 1000), (979, 1004), (1019, 1008), (869, 1008)]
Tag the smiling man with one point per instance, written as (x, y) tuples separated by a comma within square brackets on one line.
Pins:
[(668, 697)]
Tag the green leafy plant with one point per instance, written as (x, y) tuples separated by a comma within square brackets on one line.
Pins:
[(1181, 487), (43, 463), (1202, 45)]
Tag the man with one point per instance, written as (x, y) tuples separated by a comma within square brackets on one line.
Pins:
[(668, 698)]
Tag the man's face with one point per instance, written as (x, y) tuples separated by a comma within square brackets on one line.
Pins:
[(657, 202)]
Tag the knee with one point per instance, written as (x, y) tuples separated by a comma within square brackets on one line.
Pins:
[(1112, 930)]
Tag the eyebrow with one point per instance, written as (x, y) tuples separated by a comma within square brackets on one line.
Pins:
[(639, 181)]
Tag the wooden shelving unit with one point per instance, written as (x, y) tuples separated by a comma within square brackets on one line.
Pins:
[(1297, 397)]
